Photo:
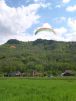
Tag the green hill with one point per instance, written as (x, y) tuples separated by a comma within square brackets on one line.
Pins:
[(40, 55)]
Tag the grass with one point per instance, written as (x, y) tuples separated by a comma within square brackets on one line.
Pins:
[(22, 89)]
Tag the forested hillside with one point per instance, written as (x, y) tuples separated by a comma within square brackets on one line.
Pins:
[(40, 55)]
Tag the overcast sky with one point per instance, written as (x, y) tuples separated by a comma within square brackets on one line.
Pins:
[(19, 19)]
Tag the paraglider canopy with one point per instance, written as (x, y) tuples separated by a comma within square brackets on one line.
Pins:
[(44, 29)]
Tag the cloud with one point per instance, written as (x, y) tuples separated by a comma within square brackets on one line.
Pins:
[(44, 34), (62, 33), (72, 24), (37, 1), (61, 30), (70, 35), (70, 32), (60, 19), (66, 1), (71, 8), (58, 6), (14, 21), (44, 3), (62, 3), (59, 36), (46, 25), (72, 29)]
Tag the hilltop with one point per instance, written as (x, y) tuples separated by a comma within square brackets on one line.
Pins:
[(40, 55)]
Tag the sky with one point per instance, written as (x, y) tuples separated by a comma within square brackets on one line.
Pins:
[(19, 19)]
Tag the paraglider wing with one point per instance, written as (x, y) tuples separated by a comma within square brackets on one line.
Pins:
[(44, 29)]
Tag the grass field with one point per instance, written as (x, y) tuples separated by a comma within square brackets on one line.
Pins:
[(22, 89)]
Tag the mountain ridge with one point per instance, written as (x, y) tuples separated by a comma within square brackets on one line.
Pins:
[(40, 55)]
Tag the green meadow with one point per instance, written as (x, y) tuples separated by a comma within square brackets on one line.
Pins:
[(23, 89)]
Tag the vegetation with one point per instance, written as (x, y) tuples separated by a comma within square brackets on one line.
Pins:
[(46, 56), (21, 89)]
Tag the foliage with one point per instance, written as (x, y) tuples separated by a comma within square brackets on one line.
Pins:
[(40, 55)]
